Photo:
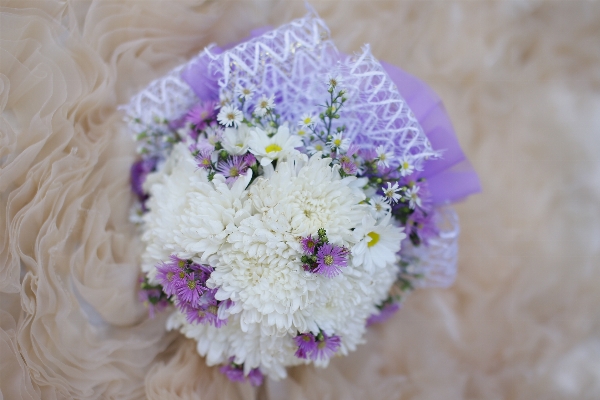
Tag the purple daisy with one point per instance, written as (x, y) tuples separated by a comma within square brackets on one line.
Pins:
[(329, 260), (233, 372), (139, 171), (306, 344), (309, 244), (191, 291), (255, 377), (326, 347), (232, 168), (203, 159), (152, 299), (200, 114), (249, 159), (169, 278), (384, 314), (349, 168)]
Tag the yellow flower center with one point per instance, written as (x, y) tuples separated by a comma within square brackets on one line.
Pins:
[(337, 142), (374, 238), (405, 165), (213, 310), (307, 120), (328, 260), (272, 147), (191, 285), (233, 171), (170, 276)]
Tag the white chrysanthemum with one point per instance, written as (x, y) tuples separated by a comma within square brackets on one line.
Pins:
[(251, 238), (378, 243), (168, 188), (188, 215), (235, 141), (260, 268), (279, 147)]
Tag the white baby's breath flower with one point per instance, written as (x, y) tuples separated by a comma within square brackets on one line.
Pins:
[(235, 141), (383, 157), (307, 121), (377, 244), (280, 146), (225, 98), (391, 193), (412, 195), (333, 80), (264, 105), (406, 166), (245, 92), (339, 142), (230, 116)]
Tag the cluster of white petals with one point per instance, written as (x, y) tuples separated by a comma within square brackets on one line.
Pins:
[(251, 236)]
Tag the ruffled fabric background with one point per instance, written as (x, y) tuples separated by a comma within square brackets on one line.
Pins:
[(521, 82)]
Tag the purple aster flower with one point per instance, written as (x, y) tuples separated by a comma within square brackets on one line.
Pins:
[(249, 159), (234, 372), (306, 344), (422, 225), (232, 168), (384, 314), (309, 244), (200, 114), (172, 274), (152, 299), (139, 171), (326, 347), (255, 377), (329, 260), (202, 272), (349, 168), (190, 291), (203, 159)]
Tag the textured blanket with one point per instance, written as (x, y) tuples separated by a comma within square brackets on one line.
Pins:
[(521, 82)]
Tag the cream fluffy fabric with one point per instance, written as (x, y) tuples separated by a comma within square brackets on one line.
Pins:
[(520, 80)]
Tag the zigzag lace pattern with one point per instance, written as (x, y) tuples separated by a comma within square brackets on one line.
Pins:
[(293, 63), (285, 63)]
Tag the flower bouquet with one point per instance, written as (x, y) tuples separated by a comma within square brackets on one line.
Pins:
[(289, 197)]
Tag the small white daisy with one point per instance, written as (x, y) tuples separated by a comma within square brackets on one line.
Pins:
[(377, 243), (339, 142), (412, 196), (245, 92), (280, 146), (316, 147), (264, 105), (379, 208), (383, 157), (225, 98), (230, 116), (307, 121), (392, 193), (301, 132), (235, 141), (333, 80), (406, 166)]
